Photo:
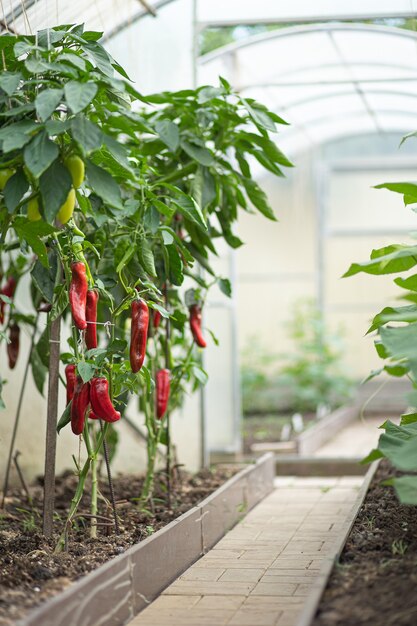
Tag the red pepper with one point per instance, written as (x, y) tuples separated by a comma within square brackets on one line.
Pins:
[(91, 319), (78, 294), (138, 334), (156, 318), (13, 345), (71, 378), (101, 404), (195, 325), (80, 402), (8, 290), (162, 392)]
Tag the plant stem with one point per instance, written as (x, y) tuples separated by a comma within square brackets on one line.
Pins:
[(93, 508), (18, 411), (75, 502)]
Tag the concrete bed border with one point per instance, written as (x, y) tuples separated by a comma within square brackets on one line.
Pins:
[(311, 605), (115, 592), (321, 431)]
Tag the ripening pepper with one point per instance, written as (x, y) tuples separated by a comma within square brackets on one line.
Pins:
[(5, 174), (156, 318), (138, 333), (76, 168), (8, 290), (13, 345), (162, 392), (71, 377), (80, 402), (78, 294), (91, 319), (67, 209), (195, 325), (101, 404), (33, 210)]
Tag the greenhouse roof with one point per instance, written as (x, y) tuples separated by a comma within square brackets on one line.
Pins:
[(326, 80)]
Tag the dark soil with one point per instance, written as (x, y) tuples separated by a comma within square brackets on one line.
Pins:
[(30, 571), (376, 580)]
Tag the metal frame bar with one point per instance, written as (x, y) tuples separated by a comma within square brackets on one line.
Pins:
[(295, 31)]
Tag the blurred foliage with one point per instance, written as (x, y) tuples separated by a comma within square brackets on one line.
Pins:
[(312, 374)]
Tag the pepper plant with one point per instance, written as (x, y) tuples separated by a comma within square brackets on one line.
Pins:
[(395, 329), (116, 201)]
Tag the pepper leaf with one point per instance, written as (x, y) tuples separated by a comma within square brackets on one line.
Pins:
[(65, 418), (85, 370)]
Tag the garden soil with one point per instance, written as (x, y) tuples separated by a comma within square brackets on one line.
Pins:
[(375, 581), (30, 572)]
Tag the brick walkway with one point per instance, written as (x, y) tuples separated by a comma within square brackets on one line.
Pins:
[(260, 573)]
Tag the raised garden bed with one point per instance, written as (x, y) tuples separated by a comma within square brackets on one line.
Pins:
[(118, 589), (372, 578)]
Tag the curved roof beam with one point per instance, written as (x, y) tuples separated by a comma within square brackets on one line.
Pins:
[(296, 31)]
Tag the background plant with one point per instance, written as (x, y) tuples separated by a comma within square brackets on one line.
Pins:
[(310, 374), (395, 330)]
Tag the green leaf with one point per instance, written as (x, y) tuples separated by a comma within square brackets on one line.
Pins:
[(42, 347), (47, 101), (39, 371), (387, 260), (32, 233), (104, 185), (374, 455), (258, 198), (125, 259), (45, 279), (400, 341), (403, 454), (65, 418), (406, 489), (15, 189), (259, 114), (9, 81), (60, 302), (188, 207), (169, 133), (198, 153), (87, 135), (225, 286), (79, 95), (146, 257), (40, 153), (85, 370), (55, 185), (176, 275), (408, 189), (200, 374), (394, 314), (408, 418)]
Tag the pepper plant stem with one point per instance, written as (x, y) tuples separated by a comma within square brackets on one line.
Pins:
[(18, 411)]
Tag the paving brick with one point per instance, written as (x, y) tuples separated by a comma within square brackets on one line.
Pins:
[(200, 573), (274, 588), (202, 588), (221, 602), (243, 575), (255, 617)]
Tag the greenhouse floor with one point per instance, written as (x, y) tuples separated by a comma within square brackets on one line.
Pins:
[(261, 572)]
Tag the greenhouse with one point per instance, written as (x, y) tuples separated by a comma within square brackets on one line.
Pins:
[(208, 313)]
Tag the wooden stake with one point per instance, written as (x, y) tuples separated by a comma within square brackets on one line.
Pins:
[(50, 441)]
